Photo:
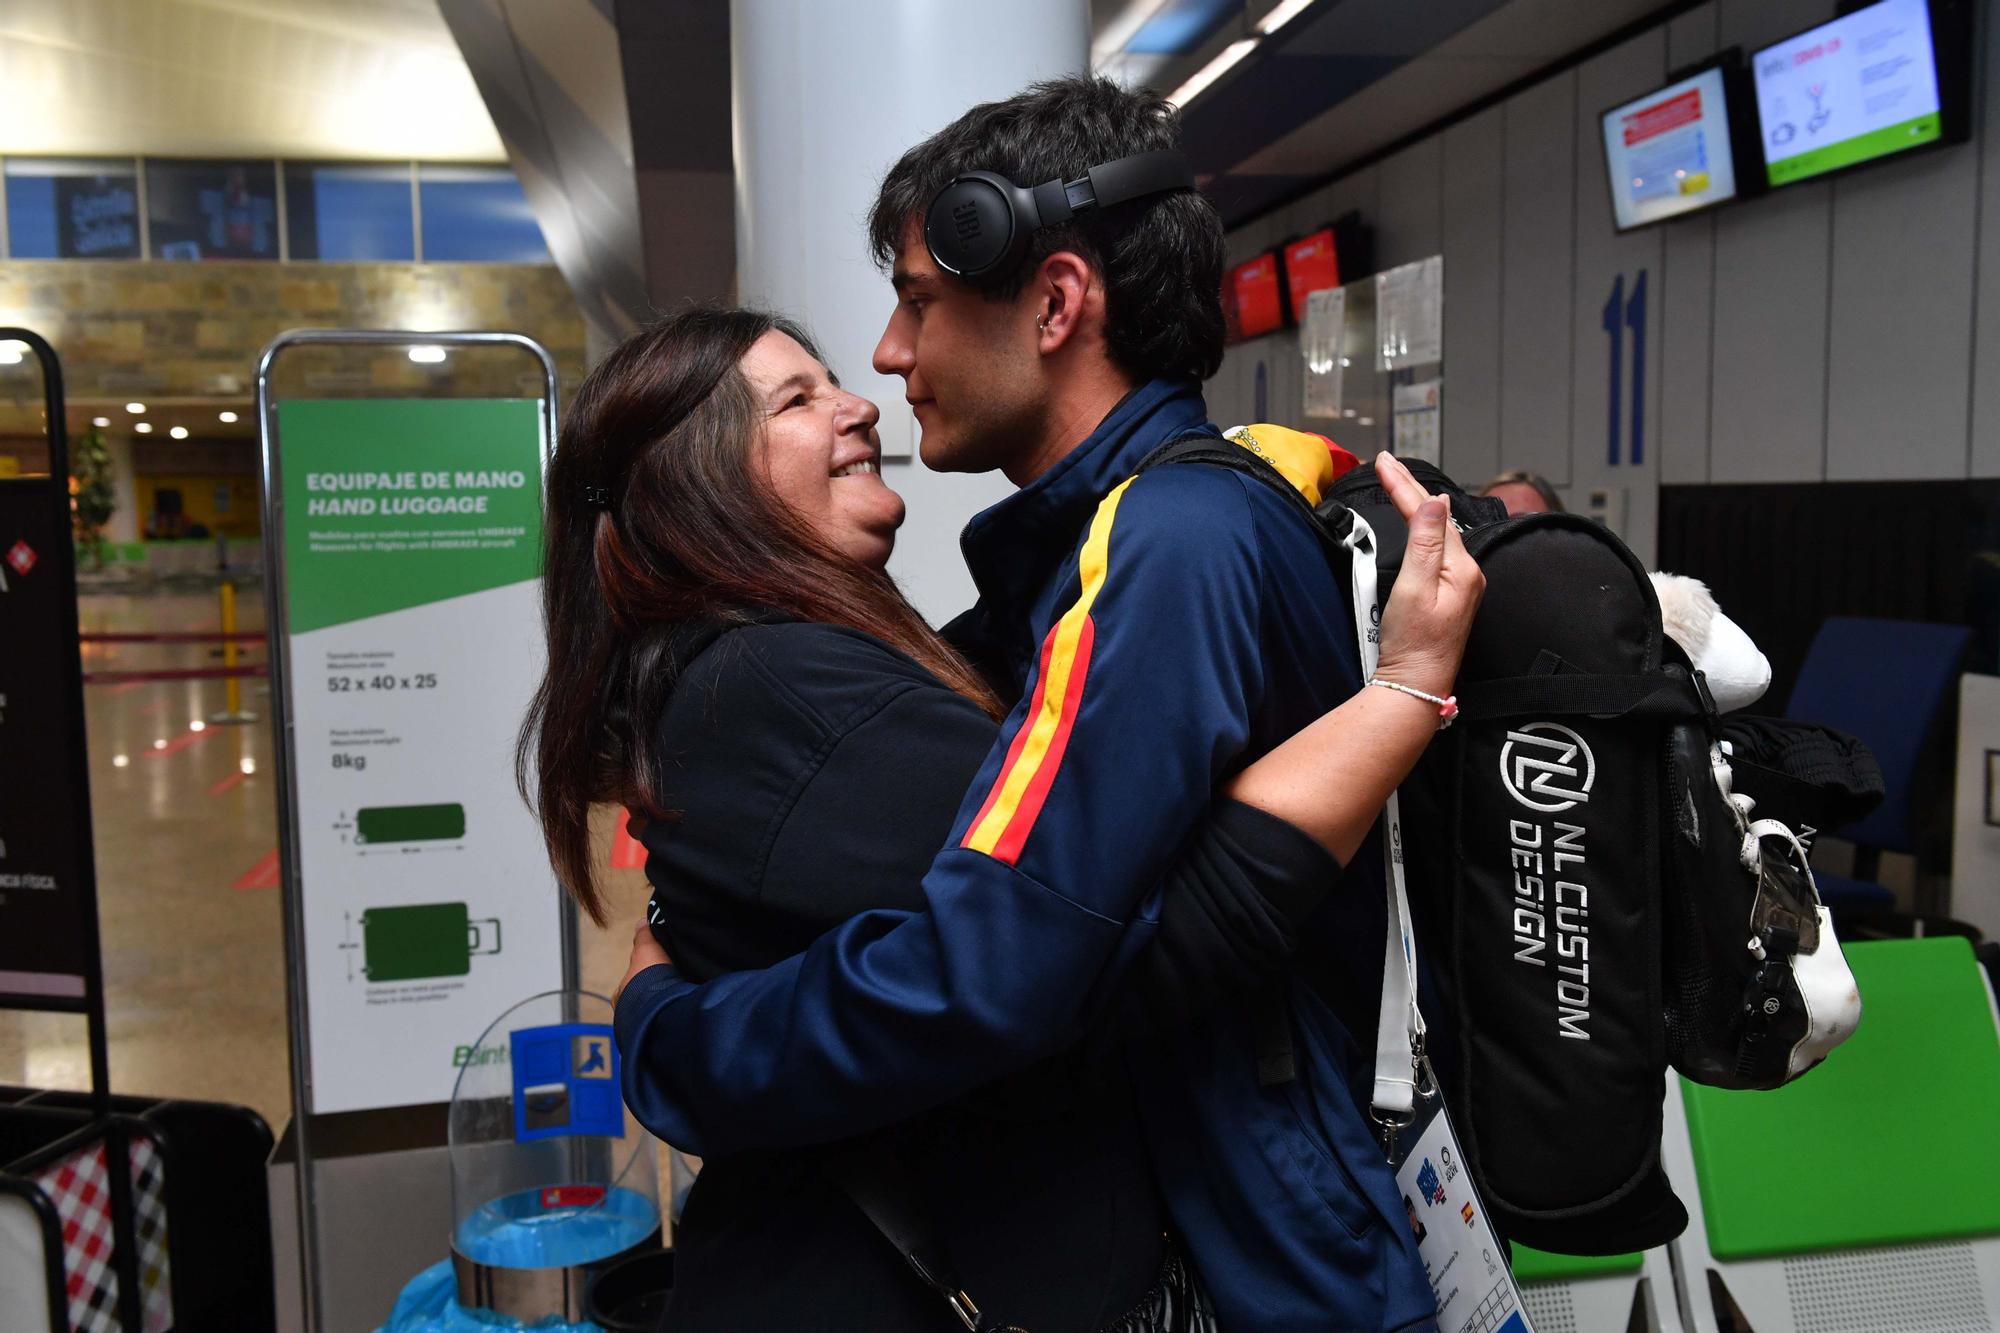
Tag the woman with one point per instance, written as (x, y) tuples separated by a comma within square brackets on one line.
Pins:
[(729, 659)]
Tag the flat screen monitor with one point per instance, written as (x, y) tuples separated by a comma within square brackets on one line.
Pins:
[(1260, 301), (1312, 264), (1671, 152), (1869, 85)]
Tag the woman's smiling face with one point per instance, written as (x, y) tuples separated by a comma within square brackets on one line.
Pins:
[(820, 453)]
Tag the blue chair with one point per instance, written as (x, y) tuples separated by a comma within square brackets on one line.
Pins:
[(1885, 682)]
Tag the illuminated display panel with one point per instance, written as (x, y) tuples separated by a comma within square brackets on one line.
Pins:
[(1312, 264), (1259, 301), (1862, 87), (1668, 153)]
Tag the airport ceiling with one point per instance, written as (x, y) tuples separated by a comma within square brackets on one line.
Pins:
[(1342, 80), (383, 79), (356, 79)]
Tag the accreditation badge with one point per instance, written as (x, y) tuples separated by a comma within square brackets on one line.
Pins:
[(1467, 1268)]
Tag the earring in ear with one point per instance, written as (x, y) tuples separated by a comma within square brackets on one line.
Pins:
[(1042, 324)]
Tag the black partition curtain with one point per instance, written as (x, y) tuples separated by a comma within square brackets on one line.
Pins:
[(1782, 558)]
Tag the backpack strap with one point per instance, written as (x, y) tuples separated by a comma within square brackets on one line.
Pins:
[(1668, 696), (1330, 519), (1277, 1061)]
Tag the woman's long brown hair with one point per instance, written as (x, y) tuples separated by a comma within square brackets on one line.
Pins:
[(667, 429)]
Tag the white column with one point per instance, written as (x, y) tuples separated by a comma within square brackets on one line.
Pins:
[(125, 516), (828, 94)]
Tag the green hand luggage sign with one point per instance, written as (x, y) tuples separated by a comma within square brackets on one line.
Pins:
[(406, 544)]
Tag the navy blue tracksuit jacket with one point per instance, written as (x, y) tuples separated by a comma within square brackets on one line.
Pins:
[(1164, 630)]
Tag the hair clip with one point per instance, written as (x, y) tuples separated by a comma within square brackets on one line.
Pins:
[(597, 497)]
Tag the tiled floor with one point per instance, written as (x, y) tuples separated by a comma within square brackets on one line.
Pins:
[(186, 829)]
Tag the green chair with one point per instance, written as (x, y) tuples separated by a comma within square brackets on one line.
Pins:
[(1865, 1196)]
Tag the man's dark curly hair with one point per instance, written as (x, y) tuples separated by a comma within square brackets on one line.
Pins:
[(1160, 256)]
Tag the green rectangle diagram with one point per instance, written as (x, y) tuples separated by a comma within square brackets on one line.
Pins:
[(409, 823), (411, 943)]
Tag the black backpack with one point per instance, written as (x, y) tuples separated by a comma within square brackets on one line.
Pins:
[(1593, 898)]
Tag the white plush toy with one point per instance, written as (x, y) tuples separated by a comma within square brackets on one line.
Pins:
[(1737, 673)]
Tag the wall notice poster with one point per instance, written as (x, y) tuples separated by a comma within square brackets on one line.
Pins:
[(1418, 417), (412, 545), (1409, 315), (44, 895), (1320, 344)]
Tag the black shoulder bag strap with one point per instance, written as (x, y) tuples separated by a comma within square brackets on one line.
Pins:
[(1277, 1061), (882, 1188)]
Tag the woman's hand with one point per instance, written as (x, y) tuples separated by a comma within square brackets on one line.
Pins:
[(1331, 779), (646, 952), (1430, 610)]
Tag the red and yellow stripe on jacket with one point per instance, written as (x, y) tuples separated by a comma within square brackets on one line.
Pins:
[(1002, 826), (1003, 823)]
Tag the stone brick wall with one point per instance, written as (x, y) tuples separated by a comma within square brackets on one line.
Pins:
[(184, 330)]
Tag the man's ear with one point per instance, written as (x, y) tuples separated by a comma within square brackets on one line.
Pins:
[(1069, 299)]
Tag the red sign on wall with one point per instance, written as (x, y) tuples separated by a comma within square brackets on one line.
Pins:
[(1311, 265), (1259, 303)]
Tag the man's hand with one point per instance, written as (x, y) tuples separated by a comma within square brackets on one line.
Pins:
[(646, 952)]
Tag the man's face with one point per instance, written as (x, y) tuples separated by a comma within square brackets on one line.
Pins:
[(1519, 497), (970, 366)]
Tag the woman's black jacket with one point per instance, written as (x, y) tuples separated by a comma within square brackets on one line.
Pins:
[(812, 773)]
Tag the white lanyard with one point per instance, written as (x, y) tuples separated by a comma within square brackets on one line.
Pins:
[(1453, 1234), (1399, 1028)]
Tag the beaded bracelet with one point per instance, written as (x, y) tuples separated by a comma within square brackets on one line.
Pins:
[(1447, 707)]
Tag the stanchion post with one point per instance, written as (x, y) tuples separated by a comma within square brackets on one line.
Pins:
[(233, 690), (233, 686)]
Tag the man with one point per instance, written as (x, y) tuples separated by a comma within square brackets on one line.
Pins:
[(1523, 493), (1159, 631)]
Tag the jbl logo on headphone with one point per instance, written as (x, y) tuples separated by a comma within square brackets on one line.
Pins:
[(966, 219)]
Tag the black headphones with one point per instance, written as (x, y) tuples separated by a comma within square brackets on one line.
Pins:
[(981, 223)]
